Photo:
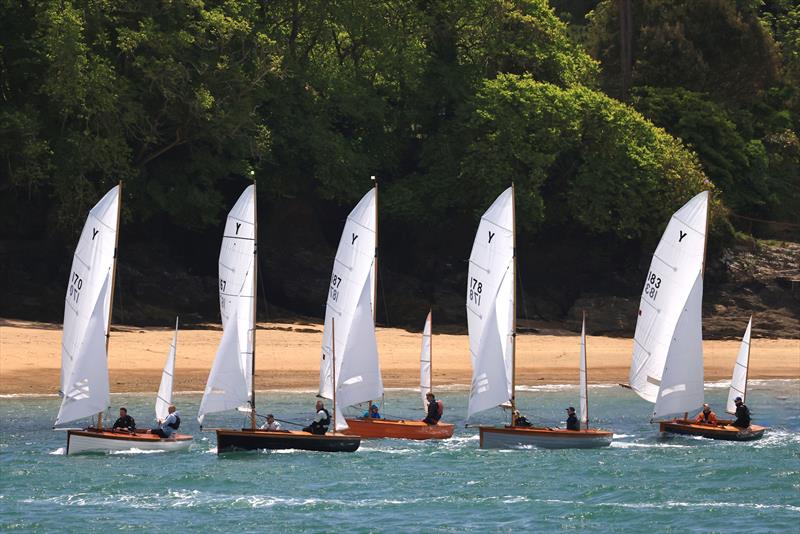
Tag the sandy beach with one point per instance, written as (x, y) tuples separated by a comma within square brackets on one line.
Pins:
[(288, 358)]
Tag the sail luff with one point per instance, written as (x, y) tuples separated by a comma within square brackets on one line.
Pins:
[(255, 311), (740, 371), (514, 306)]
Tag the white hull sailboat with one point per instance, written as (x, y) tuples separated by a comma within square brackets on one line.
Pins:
[(84, 348), (491, 316), (231, 382)]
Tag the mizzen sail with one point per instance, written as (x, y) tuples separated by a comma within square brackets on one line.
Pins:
[(739, 379), (164, 397), (425, 362)]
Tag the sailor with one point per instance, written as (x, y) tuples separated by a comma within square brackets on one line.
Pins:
[(435, 410), (169, 425), (521, 420), (271, 423), (572, 419), (125, 421), (706, 417), (372, 413), (321, 421), (742, 414)]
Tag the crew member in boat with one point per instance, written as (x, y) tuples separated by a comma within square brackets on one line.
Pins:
[(572, 419), (521, 420), (435, 409), (125, 421), (271, 423), (742, 414), (169, 425), (706, 417), (372, 413), (321, 422)]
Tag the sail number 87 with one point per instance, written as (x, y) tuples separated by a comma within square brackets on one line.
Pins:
[(475, 289), (336, 281), (651, 285)]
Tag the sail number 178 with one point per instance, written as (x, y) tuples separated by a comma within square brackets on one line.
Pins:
[(475, 289)]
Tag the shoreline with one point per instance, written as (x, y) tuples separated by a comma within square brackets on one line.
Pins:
[(288, 358)]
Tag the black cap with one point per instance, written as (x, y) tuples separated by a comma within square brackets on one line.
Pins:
[(737, 399), (570, 409)]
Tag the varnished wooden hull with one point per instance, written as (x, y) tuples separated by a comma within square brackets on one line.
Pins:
[(86, 441), (397, 429), (513, 438), (722, 431), (248, 440)]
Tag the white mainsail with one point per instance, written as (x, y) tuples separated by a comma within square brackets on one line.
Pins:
[(490, 306), (584, 406), (164, 397), (667, 364), (91, 266), (86, 389), (739, 379), (358, 377), (236, 271), (227, 387), (352, 271), (425, 362)]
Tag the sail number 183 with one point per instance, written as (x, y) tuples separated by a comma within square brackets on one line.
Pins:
[(651, 285)]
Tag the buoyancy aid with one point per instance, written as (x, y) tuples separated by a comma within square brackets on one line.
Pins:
[(176, 424)]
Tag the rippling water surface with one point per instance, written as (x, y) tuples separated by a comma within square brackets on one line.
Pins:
[(641, 482)]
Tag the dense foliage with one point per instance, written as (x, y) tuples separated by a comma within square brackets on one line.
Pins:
[(446, 101)]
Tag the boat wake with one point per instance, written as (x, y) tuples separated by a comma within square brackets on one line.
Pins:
[(134, 450), (61, 451)]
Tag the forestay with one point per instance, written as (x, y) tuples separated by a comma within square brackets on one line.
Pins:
[(236, 270), (584, 404), (227, 386), (164, 397), (667, 364), (86, 389), (91, 266), (351, 272), (425, 362), (739, 379), (490, 306)]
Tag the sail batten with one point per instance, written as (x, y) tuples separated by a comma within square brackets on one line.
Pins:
[(668, 337)]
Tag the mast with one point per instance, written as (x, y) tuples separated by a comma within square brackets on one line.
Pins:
[(255, 309), (333, 365), (113, 285), (514, 308), (374, 280)]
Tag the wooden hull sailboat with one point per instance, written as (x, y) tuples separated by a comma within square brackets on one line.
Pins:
[(547, 438), (92, 440), (398, 429), (248, 439), (231, 381), (723, 431)]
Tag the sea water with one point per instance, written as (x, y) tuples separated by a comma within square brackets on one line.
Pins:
[(643, 482)]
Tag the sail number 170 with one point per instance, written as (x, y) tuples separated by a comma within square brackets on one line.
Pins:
[(75, 286), (651, 285)]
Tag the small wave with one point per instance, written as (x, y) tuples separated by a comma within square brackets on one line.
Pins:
[(704, 505), (631, 444), (134, 450), (61, 451), (26, 395)]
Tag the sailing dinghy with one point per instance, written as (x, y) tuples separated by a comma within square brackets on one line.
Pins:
[(667, 364), (231, 384), (84, 347), (491, 318), (724, 430), (351, 302)]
